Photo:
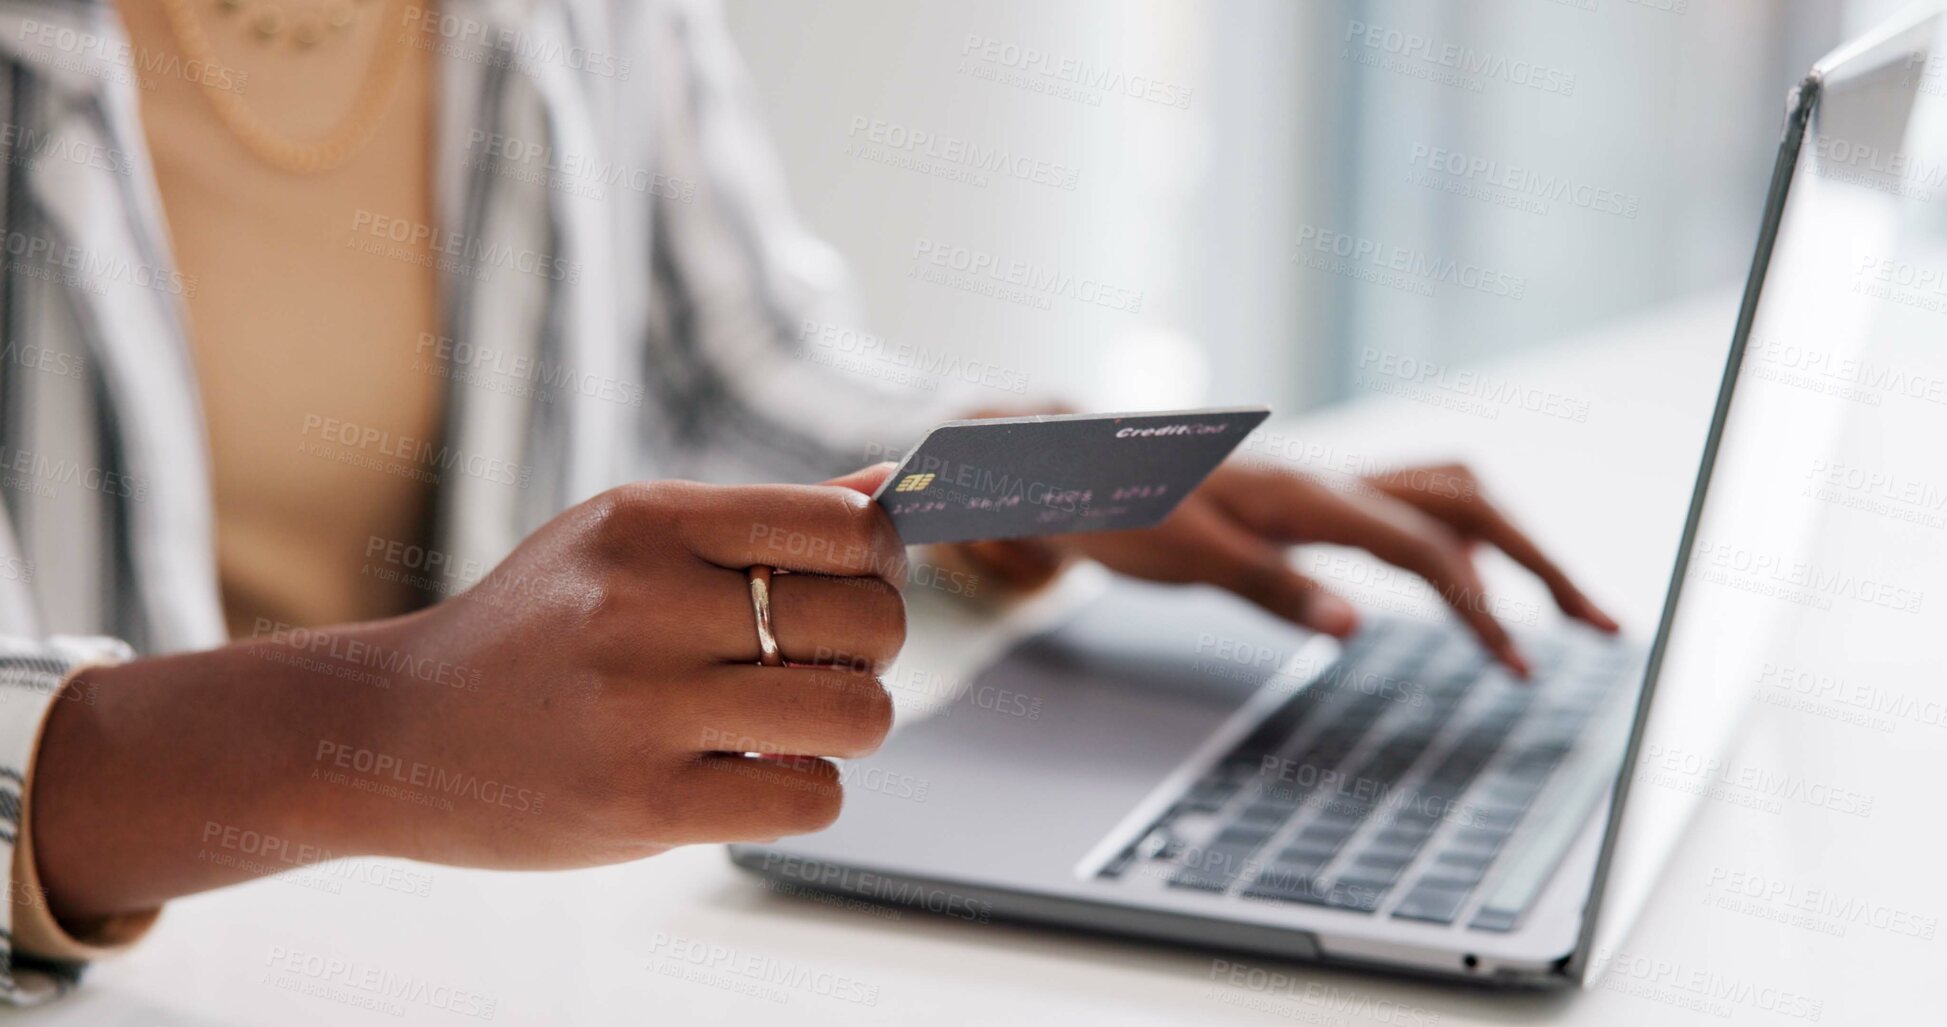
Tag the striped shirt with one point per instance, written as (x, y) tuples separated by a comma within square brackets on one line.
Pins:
[(624, 291)]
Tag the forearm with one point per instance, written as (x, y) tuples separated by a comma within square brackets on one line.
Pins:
[(145, 792)]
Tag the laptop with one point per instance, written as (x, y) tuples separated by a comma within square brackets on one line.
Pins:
[(1173, 765)]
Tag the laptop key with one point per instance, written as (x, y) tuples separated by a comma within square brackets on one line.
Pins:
[(1307, 854), (1432, 905), (1267, 813), (1359, 895), (1501, 920), (1301, 889), (1463, 861), (1381, 864), (1209, 796)]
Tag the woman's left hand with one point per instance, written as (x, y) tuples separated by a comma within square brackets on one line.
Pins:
[(1235, 532)]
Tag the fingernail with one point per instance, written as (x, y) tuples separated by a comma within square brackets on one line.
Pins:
[(1516, 662), (1327, 613)]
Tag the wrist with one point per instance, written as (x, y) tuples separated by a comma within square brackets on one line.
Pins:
[(188, 772), (349, 688)]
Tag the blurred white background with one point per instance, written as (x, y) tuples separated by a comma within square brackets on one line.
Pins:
[(1566, 162)]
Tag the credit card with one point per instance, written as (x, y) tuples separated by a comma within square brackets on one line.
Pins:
[(1014, 477)]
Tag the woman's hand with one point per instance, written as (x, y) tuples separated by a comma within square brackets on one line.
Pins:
[(590, 701), (616, 676), (1236, 531)]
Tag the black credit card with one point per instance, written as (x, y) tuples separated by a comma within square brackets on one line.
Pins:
[(1013, 477)]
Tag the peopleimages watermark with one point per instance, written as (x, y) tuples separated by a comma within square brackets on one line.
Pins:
[(1380, 586), (839, 878), (470, 39), (41, 686), (1700, 989), (454, 252), (31, 471), (301, 864), (1461, 389), (1250, 661), (851, 350), (114, 58), (13, 568), (24, 146), (751, 974), (1746, 785), (1067, 78), (519, 374), (1227, 656), (1881, 493), (1889, 171), (966, 269), (32, 357), (1815, 908), (1354, 469), (1832, 697), (380, 449), (343, 654), (1397, 266), (1792, 580), (415, 780), (1929, 70), (1902, 281), (441, 573), (1840, 375), (948, 156), (368, 986), (1254, 987), (851, 773), (79, 267), (1443, 63), (1508, 185), (580, 174)]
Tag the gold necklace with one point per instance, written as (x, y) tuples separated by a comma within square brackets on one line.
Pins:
[(269, 22), (322, 153)]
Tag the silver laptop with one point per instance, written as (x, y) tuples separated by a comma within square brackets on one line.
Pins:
[(1171, 764)]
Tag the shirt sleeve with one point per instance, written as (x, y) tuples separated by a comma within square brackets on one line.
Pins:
[(39, 957), (748, 296), (42, 958)]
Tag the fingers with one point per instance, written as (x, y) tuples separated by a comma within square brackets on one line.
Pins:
[(786, 711), (1259, 571), (1494, 527), (1453, 494), (1021, 563), (1451, 571), (819, 619), (817, 529), (1406, 538), (1297, 508), (734, 798), (866, 479)]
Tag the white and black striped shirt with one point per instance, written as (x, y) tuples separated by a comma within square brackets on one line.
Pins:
[(643, 294)]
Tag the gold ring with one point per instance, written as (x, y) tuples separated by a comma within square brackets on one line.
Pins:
[(768, 654)]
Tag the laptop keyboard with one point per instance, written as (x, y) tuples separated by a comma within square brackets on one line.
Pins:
[(1389, 786)]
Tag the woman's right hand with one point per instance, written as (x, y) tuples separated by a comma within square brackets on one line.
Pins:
[(615, 688), (591, 700)]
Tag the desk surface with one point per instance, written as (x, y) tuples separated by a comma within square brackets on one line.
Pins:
[(1767, 914)]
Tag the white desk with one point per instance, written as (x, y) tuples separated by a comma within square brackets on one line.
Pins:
[(583, 947)]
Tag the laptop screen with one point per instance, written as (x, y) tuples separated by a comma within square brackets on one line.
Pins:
[(1835, 363)]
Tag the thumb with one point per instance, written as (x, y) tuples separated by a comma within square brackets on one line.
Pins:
[(865, 479)]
